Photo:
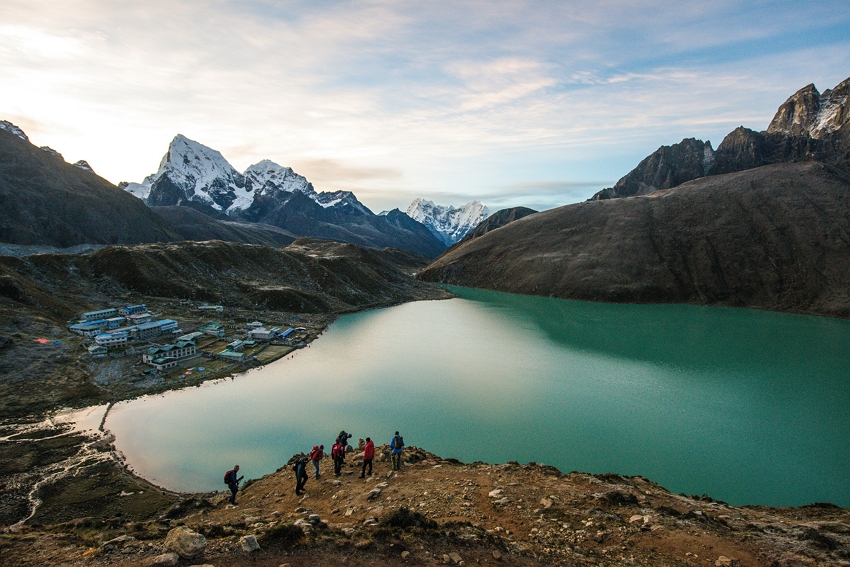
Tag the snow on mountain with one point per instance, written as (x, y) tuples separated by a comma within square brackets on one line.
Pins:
[(190, 171), (268, 178), (449, 224), (9, 127), (83, 164)]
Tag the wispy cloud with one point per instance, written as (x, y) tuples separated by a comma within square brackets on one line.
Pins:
[(462, 100)]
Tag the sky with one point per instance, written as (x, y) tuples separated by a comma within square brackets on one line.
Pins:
[(538, 104)]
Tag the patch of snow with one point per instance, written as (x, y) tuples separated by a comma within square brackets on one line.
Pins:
[(83, 164), (51, 151), (140, 190), (449, 224), (9, 127)]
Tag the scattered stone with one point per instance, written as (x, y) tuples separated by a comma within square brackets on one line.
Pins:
[(496, 555), (724, 561), (166, 560), (362, 544), (405, 554), (497, 493), (314, 518), (373, 494), (502, 501), (185, 542), (546, 503), (455, 558), (301, 510), (249, 543)]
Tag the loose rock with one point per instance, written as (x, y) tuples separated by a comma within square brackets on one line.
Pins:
[(166, 560), (249, 543), (185, 542)]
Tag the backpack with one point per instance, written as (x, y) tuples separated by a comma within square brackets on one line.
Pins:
[(228, 477), (398, 442)]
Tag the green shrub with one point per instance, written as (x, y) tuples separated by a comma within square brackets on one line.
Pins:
[(282, 535), (404, 518)]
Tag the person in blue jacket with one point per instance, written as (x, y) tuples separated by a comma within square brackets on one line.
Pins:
[(397, 444)]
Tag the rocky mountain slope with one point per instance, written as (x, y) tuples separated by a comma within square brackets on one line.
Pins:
[(191, 174), (190, 224), (497, 220), (775, 237), (809, 126), (47, 201), (448, 224)]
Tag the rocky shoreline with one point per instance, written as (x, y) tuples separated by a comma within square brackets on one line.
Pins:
[(439, 511)]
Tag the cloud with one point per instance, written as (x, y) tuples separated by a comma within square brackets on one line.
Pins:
[(462, 100)]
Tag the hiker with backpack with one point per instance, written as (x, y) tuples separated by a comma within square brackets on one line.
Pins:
[(342, 439), (397, 444), (232, 482), (338, 456), (368, 455), (300, 468), (316, 455)]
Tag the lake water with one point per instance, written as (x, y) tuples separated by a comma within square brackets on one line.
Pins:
[(747, 406)]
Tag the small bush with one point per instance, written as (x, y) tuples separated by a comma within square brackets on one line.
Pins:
[(404, 518), (282, 535)]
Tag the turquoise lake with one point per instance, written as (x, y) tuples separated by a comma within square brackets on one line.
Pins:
[(750, 407)]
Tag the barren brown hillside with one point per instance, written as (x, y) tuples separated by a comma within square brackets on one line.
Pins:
[(775, 237)]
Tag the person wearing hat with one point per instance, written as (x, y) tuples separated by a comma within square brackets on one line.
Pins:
[(397, 444)]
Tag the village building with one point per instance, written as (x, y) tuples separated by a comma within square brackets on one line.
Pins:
[(190, 336), (152, 329), (115, 322), (255, 325), (231, 356), (134, 309), (96, 315), (163, 363), (211, 309), (236, 346), (214, 329), (263, 334), (114, 339), (139, 318), (89, 328), (174, 351), (97, 351)]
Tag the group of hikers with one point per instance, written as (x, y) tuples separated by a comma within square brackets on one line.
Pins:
[(340, 448)]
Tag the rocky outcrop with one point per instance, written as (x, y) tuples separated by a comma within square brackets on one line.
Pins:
[(185, 542), (809, 126), (776, 237), (666, 167)]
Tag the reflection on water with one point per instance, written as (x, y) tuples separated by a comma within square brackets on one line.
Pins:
[(747, 406)]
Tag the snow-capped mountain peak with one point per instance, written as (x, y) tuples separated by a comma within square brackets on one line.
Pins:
[(191, 171), (449, 224), (267, 178)]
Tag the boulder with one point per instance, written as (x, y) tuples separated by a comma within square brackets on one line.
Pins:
[(185, 542), (166, 560), (249, 543)]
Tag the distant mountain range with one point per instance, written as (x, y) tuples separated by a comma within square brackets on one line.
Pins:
[(448, 224), (196, 176), (809, 126), (763, 222)]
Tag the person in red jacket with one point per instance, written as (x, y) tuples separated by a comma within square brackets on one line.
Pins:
[(338, 456), (368, 455), (316, 455)]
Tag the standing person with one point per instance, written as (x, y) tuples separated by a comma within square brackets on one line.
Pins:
[(368, 455), (300, 475), (316, 455), (342, 439), (338, 456), (397, 444), (232, 482)]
